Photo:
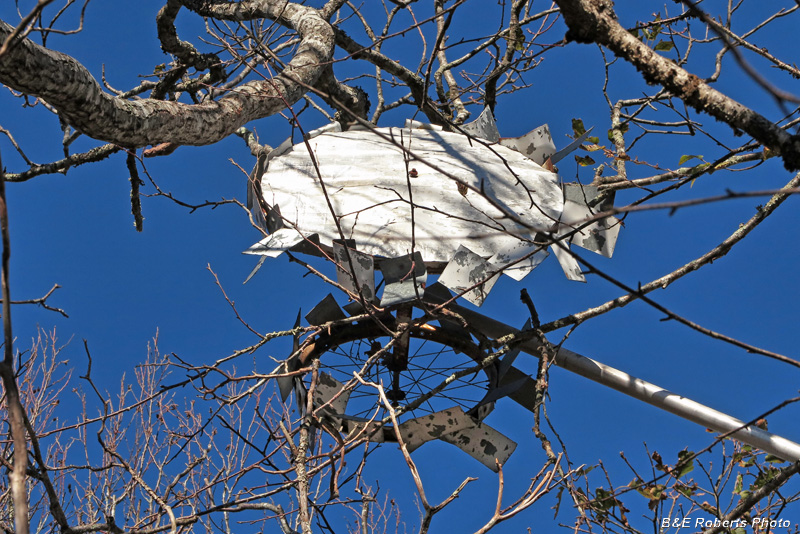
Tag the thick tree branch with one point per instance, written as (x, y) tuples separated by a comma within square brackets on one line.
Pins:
[(69, 87), (351, 102), (595, 21), (186, 53)]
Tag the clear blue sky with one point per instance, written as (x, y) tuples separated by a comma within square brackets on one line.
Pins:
[(122, 288)]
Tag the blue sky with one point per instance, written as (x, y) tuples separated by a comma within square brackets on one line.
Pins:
[(122, 288)]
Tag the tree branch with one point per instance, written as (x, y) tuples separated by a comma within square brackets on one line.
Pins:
[(16, 415), (22, 28), (411, 79), (594, 21), (73, 160), (69, 87)]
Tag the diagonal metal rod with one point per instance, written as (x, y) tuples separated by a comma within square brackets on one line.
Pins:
[(637, 388)]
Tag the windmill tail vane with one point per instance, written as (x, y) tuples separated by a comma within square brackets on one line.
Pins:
[(471, 207)]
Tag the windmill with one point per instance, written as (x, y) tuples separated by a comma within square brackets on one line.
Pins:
[(407, 204)]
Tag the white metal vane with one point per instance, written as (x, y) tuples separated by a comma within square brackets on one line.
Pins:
[(470, 207)]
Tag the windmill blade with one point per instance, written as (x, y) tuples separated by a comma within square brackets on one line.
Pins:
[(561, 154), (274, 220), (508, 360), (524, 390), (481, 411), (254, 191), (353, 308), (405, 278), (580, 204), (537, 145), (568, 263), (511, 259), (296, 337), (329, 393), (276, 243), (467, 269), (483, 127), (286, 383), (300, 395), (370, 429), (438, 291), (325, 311), (505, 389), (417, 432), (483, 443), (261, 261), (362, 281)]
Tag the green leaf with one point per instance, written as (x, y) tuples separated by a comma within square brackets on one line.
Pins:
[(577, 127), (737, 487), (749, 463), (580, 495), (558, 498), (654, 30), (687, 157), (688, 465), (584, 161), (664, 46), (604, 500), (764, 477), (653, 493), (584, 470), (771, 458)]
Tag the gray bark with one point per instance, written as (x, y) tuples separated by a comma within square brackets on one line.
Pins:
[(69, 87)]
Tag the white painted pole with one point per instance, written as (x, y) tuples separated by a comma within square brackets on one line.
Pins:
[(644, 391)]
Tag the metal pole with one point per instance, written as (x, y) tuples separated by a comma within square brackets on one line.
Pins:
[(642, 390)]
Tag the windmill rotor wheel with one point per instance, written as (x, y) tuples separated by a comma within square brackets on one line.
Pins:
[(424, 357)]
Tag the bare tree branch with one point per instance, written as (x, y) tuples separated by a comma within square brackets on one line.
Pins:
[(595, 21), (69, 87), (16, 414)]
